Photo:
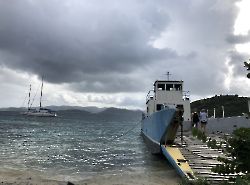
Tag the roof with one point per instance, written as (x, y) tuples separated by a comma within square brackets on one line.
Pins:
[(167, 81)]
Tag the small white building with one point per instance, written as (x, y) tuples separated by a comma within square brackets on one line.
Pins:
[(168, 93)]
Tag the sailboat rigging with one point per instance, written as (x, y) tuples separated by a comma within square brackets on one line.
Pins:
[(41, 111)]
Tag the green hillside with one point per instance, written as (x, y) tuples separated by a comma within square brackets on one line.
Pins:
[(233, 105)]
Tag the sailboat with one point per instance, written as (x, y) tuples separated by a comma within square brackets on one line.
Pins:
[(41, 111)]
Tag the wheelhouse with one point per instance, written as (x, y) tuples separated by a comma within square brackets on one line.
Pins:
[(168, 94)]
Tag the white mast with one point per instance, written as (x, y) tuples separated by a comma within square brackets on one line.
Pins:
[(29, 98), (41, 94)]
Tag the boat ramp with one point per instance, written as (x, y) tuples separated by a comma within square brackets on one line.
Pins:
[(194, 159)]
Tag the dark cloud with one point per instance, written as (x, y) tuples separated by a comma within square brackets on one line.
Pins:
[(69, 41), (111, 46)]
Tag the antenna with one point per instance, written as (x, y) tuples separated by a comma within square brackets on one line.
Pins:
[(168, 74)]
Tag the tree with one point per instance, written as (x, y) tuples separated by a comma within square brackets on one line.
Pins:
[(238, 148), (247, 65), (240, 143)]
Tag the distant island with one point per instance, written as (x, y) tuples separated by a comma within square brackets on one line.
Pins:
[(91, 109), (233, 105), (87, 113)]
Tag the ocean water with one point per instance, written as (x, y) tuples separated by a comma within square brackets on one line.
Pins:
[(74, 147)]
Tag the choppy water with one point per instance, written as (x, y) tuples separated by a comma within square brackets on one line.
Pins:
[(73, 147)]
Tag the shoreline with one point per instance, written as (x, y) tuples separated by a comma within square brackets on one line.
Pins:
[(18, 177)]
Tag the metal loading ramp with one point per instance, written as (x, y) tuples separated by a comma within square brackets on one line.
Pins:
[(178, 161)]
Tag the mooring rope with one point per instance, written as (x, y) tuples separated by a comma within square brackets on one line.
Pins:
[(117, 137)]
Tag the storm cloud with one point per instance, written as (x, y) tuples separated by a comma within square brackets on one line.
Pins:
[(122, 46), (75, 41)]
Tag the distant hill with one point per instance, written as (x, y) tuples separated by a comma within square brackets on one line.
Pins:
[(233, 105), (13, 109), (87, 113), (75, 114), (109, 114), (120, 114), (91, 109)]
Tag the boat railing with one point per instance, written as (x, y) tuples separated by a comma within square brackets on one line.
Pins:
[(186, 95), (150, 95)]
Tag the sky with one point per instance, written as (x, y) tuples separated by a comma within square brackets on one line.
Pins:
[(109, 53)]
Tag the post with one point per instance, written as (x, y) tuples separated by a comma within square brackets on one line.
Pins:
[(181, 133), (223, 112), (214, 112)]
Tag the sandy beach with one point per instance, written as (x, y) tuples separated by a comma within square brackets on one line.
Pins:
[(15, 177)]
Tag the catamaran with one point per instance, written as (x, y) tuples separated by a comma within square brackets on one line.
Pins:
[(41, 111)]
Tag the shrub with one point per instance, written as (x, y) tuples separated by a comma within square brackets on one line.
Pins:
[(199, 181)]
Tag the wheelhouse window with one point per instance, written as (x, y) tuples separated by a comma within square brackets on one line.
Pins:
[(178, 87), (169, 87), (161, 87)]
